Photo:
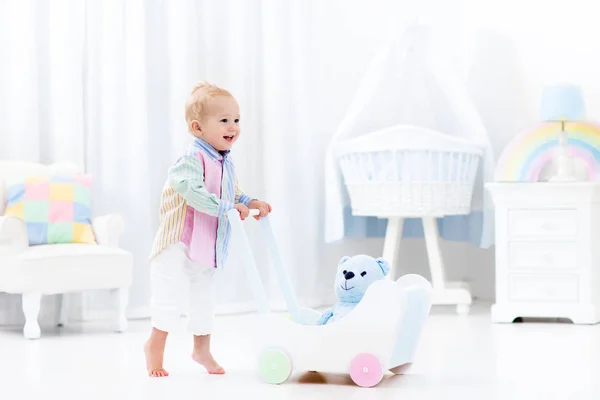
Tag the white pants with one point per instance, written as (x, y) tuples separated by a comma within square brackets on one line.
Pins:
[(175, 279)]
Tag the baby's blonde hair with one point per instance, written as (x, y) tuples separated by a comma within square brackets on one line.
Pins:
[(196, 103)]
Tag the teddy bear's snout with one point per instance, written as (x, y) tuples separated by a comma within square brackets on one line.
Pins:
[(349, 275)]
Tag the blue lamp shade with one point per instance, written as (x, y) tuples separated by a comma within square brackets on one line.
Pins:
[(562, 102)]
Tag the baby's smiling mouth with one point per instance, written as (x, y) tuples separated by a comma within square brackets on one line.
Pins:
[(229, 138)]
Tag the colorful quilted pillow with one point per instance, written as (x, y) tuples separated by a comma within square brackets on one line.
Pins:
[(55, 209)]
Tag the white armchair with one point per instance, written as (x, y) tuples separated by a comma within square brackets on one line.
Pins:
[(34, 271)]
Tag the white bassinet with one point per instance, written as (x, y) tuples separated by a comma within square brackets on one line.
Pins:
[(408, 171)]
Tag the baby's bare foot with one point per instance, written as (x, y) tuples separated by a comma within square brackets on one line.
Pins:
[(154, 359), (206, 359)]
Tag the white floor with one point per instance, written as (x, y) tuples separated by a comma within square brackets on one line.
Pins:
[(458, 358)]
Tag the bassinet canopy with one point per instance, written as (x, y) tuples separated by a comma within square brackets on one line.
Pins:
[(409, 82)]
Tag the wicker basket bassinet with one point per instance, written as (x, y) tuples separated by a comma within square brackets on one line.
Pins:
[(409, 171)]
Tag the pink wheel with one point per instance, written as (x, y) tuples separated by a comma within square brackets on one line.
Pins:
[(366, 370)]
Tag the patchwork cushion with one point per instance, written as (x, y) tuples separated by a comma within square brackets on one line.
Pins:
[(56, 209)]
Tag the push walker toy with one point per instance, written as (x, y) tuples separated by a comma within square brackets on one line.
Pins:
[(380, 334)]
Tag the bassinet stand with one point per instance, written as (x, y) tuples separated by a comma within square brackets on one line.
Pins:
[(444, 293)]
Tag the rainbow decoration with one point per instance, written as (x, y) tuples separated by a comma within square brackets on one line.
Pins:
[(527, 153)]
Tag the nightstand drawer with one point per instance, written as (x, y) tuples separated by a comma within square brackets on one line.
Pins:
[(544, 288), (542, 223), (543, 255)]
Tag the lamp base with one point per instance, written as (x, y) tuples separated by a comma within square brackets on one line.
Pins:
[(565, 170)]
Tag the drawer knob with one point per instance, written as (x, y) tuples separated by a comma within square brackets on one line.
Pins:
[(548, 226), (547, 259)]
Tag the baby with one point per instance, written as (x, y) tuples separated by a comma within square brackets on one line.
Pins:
[(193, 236)]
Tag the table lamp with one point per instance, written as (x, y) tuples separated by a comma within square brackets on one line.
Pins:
[(563, 103)]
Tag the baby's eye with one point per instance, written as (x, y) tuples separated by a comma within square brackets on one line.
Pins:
[(237, 121), (363, 273), (224, 120)]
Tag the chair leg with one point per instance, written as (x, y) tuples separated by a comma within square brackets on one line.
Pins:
[(62, 308), (31, 309), (122, 295)]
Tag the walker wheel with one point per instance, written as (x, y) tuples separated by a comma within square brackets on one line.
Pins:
[(366, 370), (275, 366)]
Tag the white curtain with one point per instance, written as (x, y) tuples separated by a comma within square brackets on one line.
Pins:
[(103, 83)]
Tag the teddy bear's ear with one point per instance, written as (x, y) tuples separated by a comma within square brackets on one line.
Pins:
[(384, 265), (344, 259)]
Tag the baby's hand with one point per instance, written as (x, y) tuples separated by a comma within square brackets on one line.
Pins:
[(262, 206), (243, 210)]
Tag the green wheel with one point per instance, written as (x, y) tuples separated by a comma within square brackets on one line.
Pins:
[(275, 366)]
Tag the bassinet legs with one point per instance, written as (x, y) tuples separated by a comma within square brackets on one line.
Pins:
[(444, 293), (391, 245)]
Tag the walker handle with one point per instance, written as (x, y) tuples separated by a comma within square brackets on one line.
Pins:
[(254, 276), (253, 212)]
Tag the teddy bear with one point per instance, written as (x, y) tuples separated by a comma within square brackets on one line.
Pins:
[(354, 275)]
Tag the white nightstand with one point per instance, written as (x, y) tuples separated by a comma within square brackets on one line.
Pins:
[(547, 251)]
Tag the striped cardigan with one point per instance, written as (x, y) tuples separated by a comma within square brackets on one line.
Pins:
[(200, 188)]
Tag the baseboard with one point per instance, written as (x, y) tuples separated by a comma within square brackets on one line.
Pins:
[(132, 314), (136, 313)]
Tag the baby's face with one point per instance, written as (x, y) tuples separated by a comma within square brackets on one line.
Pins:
[(220, 126)]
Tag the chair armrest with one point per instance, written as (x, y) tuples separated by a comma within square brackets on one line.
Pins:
[(108, 229), (13, 236)]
